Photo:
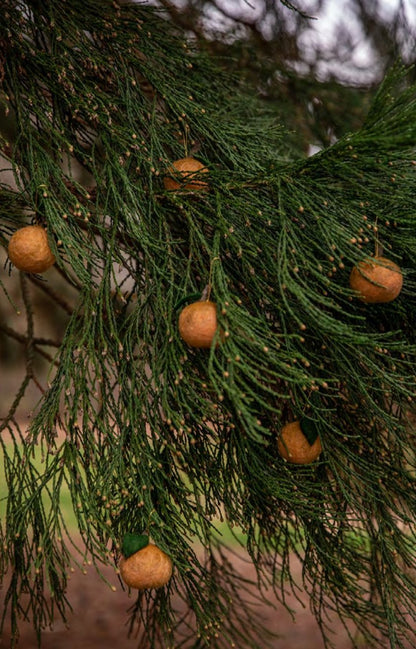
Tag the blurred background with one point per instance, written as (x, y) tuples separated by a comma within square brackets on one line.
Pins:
[(318, 67)]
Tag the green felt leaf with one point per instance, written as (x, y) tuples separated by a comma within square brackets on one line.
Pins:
[(133, 543), (309, 429)]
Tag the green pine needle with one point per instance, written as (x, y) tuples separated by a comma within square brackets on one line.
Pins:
[(147, 433)]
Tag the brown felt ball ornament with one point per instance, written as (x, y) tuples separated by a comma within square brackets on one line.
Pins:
[(376, 280), (293, 445), (198, 323), (29, 249), (149, 567), (185, 174)]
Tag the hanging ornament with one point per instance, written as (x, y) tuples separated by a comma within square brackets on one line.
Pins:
[(29, 249), (144, 565), (185, 174), (376, 280), (299, 442), (198, 323)]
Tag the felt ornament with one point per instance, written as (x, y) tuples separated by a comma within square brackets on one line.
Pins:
[(29, 249), (198, 323), (376, 280), (184, 174), (144, 565), (299, 442)]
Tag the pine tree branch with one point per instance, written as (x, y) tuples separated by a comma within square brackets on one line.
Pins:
[(4, 423), (166, 437), (29, 319)]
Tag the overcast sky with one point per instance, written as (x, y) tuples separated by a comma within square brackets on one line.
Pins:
[(323, 31)]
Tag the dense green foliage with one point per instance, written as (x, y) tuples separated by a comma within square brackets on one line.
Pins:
[(152, 436)]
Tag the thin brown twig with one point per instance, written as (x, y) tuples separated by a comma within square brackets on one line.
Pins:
[(68, 279), (38, 385), (2, 60), (46, 288), (29, 320), (36, 341), (19, 396)]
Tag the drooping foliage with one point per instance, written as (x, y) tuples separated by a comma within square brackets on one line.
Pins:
[(156, 437)]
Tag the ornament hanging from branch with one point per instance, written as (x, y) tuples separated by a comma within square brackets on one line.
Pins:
[(185, 174), (299, 442), (144, 565), (376, 280), (198, 323), (29, 250)]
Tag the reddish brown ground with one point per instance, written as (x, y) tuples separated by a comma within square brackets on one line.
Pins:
[(99, 622)]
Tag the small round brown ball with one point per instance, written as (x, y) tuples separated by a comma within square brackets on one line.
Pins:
[(182, 176), (376, 280), (150, 567), (198, 323), (29, 249), (295, 448)]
